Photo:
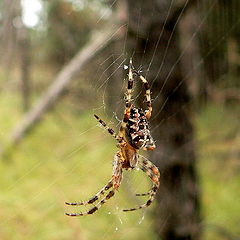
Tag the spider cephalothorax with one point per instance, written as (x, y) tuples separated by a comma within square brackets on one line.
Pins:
[(133, 135)]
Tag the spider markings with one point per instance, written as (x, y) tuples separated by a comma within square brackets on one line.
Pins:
[(134, 134), (137, 130)]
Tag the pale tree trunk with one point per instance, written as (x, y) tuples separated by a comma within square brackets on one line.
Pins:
[(191, 61), (177, 215), (24, 59), (24, 47), (15, 46), (9, 35)]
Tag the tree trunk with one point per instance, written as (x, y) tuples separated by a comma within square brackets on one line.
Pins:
[(155, 32), (25, 60), (8, 35), (191, 61)]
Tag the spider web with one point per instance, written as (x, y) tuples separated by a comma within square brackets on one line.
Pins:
[(116, 225)]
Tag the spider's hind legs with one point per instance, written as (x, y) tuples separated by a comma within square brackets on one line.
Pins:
[(96, 197), (142, 194)]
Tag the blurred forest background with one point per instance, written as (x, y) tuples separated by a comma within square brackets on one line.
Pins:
[(63, 60)]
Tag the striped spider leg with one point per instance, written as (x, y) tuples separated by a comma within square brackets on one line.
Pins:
[(112, 185), (152, 171), (147, 94)]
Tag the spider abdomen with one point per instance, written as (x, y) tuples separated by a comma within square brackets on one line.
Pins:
[(137, 130)]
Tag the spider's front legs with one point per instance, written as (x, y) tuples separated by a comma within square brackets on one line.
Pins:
[(130, 85), (147, 95), (128, 101), (110, 130)]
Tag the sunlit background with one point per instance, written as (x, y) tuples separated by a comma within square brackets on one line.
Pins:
[(31, 11)]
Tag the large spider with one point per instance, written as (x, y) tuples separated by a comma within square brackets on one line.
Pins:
[(133, 135)]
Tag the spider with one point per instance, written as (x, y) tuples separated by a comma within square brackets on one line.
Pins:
[(133, 135)]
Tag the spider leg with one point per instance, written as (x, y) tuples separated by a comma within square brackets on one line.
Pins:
[(97, 196), (130, 85), (128, 100), (95, 208), (117, 170), (143, 194), (148, 94), (110, 130), (150, 191), (152, 171), (147, 167), (114, 183)]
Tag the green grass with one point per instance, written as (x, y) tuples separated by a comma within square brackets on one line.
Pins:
[(67, 158), (219, 155)]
